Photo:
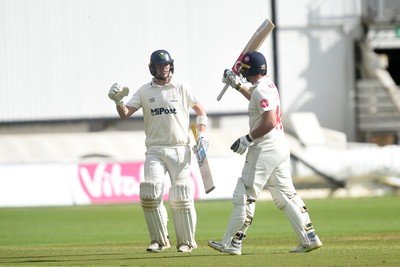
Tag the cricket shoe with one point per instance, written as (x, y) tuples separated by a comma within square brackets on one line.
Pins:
[(314, 244), (215, 245), (234, 248), (185, 248), (156, 247)]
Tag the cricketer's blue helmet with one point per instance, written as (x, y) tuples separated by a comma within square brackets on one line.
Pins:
[(253, 63), (160, 56)]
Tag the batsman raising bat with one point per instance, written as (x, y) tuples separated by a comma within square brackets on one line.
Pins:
[(166, 103), (267, 161)]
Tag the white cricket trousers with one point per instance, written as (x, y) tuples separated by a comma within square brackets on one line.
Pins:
[(172, 159), (268, 164)]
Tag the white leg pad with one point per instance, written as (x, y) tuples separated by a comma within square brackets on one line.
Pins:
[(296, 212), (184, 214), (241, 216), (155, 212)]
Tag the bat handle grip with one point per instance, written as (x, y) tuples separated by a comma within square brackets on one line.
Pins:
[(222, 92), (193, 126)]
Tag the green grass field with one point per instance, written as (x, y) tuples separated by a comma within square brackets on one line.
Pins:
[(355, 232)]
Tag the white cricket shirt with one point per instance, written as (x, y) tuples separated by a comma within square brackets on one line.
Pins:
[(166, 112), (265, 97)]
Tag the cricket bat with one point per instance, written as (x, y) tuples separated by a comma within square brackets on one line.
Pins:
[(254, 43), (204, 169)]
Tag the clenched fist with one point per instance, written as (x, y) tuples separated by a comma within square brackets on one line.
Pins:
[(116, 93)]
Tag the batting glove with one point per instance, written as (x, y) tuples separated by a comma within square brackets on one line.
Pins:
[(201, 148), (231, 79), (242, 144), (117, 94)]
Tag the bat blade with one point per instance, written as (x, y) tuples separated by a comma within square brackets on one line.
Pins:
[(205, 171), (206, 175), (253, 44)]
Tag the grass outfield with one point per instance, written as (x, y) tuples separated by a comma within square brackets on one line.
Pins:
[(355, 232)]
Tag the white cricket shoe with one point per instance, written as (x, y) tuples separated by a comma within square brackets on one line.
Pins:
[(234, 248), (215, 245), (314, 244), (156, 247), (185, 248)]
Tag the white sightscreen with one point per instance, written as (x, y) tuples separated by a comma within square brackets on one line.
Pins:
[(58, 58)]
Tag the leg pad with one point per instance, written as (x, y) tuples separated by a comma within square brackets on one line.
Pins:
[(155, 212)]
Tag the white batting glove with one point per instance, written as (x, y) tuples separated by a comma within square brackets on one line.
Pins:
[(117, 94), (242, 144), (201, 148), (231, 79)]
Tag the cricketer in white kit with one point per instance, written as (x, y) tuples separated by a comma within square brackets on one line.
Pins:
[(166, 103), (267, 162)]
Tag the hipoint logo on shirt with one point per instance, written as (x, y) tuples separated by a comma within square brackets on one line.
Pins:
[(160, 111)]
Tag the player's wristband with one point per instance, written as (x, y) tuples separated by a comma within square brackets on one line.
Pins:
[(202, 120), (248, 137)]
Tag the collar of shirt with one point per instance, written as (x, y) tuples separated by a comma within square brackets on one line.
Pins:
[(253, 87)]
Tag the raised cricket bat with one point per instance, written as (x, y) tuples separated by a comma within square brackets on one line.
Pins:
[(204, 169), (254, 43)]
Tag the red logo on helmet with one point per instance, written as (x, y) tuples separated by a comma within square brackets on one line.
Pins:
[(246, 59), (264, 103)]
